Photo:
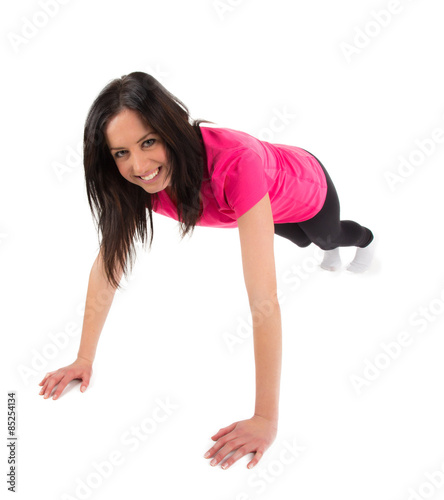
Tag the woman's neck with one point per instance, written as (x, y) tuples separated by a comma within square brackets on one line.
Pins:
[(171, 194)]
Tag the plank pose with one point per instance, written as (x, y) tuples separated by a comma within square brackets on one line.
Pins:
[(143, 153)]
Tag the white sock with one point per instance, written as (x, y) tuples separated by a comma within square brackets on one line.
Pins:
[(332, 260), (363, 258)]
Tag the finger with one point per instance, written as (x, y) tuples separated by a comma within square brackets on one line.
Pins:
[(223, 452), (61, 387), (43, 389), (223, 431), (46, 376), (51, 383), (216, 447), (85, 383), (45, 385), (243, 450), (256, 458)]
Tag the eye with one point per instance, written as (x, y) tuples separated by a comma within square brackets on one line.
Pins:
[(117, 155)]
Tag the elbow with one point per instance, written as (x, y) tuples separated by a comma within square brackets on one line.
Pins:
[(265, 304)]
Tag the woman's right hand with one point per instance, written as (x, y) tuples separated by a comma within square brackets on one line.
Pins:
[(80, 369)]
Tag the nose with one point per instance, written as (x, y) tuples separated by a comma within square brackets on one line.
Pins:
[(141, 164)]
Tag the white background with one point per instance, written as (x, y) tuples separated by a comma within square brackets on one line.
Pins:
[(234, 63)]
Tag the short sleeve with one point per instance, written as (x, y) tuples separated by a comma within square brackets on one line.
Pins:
[(246, 182)]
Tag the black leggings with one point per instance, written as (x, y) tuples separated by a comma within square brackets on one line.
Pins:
[(325, 229)]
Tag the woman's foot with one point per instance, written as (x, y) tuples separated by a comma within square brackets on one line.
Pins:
[(332, 260), (363, 258)]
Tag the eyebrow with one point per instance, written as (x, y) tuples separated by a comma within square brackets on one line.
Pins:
[(141, 139)]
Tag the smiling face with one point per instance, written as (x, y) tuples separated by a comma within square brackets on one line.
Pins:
[(138, 150)]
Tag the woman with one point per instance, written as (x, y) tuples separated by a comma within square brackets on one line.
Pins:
[(142, 153)]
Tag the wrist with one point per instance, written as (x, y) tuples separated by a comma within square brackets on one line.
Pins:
[(273, 418), (85, 358)]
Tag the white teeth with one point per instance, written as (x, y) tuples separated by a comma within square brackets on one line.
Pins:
[(148, 177)]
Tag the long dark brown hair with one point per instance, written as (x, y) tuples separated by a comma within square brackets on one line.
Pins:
[(119, 207)]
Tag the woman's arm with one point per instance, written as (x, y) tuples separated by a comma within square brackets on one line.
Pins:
[(99, 298), (256, 232)]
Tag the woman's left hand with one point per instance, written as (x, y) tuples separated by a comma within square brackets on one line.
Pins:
[(254, 435)]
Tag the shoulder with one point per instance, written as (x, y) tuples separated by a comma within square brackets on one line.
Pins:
[(228, 137), (225, 145)]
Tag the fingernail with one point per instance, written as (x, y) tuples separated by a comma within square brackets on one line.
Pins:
[(207, 454), (213, 462), (55, 396), (224, 466)]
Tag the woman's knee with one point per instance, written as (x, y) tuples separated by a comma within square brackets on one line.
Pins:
[(328, 242), (291, 231)]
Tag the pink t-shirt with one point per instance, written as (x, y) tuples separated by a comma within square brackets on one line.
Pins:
[(241, 169)]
